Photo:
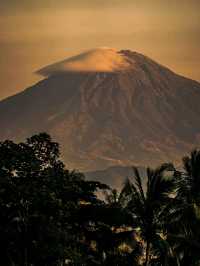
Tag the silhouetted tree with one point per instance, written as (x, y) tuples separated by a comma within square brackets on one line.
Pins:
[(148, 209), (184, 220), (39, 203), (52, 216)]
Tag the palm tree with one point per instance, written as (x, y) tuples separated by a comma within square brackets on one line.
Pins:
[(189, 188), (114, 235), (184, 224), (148, 206)]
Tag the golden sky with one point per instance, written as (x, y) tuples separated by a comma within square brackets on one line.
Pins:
[(35, 34)]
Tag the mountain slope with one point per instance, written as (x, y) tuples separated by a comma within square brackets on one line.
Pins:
[(126, 110)]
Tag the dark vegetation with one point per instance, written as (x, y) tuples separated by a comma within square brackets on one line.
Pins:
[(52, 216)]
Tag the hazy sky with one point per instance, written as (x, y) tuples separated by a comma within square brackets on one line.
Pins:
[(35, 33)]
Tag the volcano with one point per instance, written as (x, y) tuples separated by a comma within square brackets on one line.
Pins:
[(108, 108)]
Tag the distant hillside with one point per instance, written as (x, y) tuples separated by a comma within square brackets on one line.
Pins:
[(114, 176)]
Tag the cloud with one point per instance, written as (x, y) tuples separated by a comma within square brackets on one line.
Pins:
[(101, 59)]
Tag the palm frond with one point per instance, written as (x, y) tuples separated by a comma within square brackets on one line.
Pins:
[(138, 182), (160, 186)]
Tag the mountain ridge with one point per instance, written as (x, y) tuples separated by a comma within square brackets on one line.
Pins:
[(142, 115)]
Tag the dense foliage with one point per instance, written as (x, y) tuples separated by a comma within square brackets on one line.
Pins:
[(52, 216)]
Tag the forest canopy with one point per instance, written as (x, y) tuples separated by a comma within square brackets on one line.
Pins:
[(52, 216)]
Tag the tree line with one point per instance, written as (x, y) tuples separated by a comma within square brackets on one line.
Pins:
[(52, 216)]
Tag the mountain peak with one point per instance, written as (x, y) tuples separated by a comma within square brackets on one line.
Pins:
[(137, 113), (101, 59)]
